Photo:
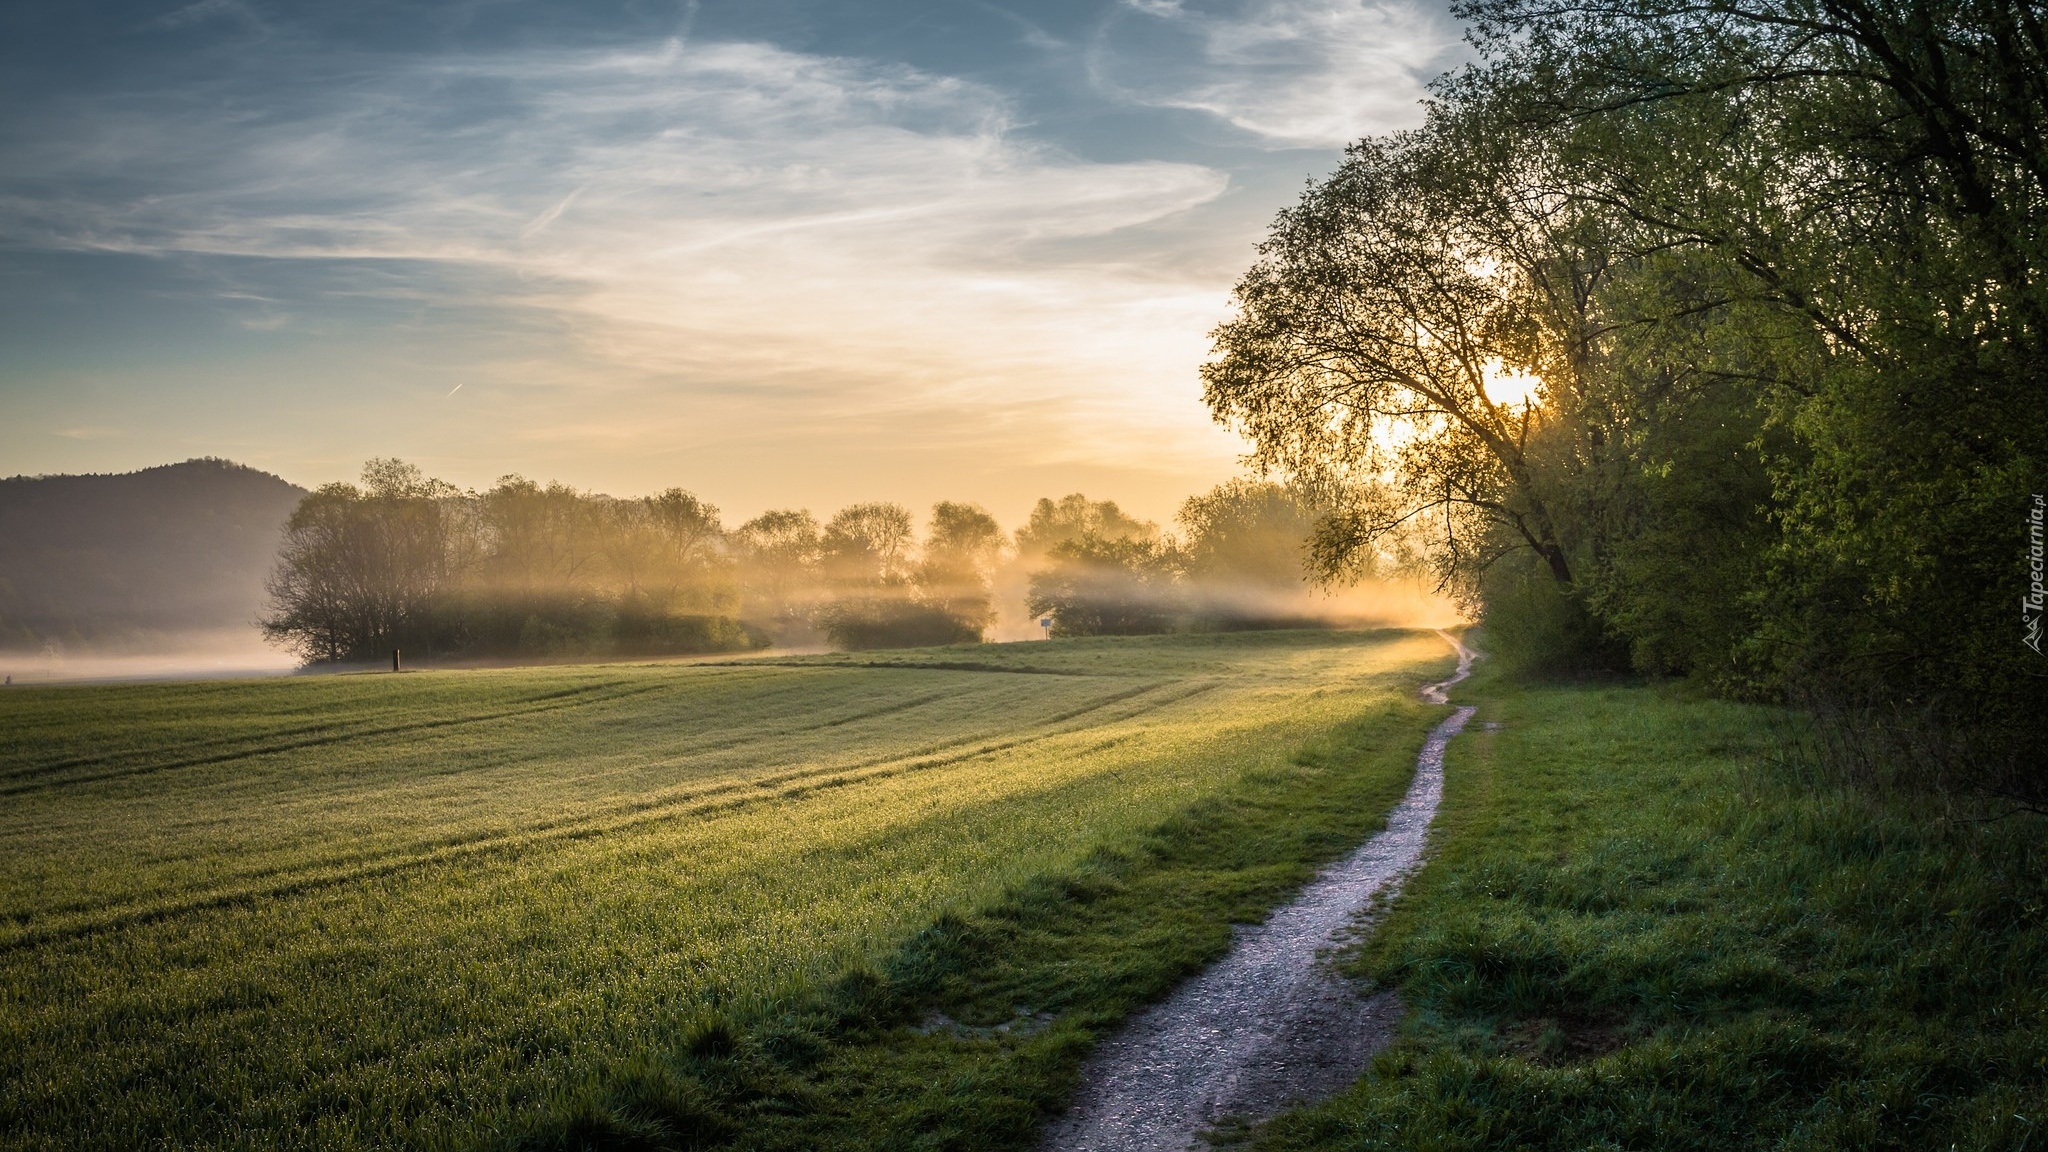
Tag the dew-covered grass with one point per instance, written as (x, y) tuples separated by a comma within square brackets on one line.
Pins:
[(1647, 926), (433, 909)]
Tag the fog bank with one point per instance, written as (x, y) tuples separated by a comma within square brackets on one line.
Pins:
[(215, 654)]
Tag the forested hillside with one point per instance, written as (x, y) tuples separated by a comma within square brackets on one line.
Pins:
[(137, 560)]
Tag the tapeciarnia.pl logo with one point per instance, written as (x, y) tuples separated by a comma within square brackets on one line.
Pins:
[(2032, 603)]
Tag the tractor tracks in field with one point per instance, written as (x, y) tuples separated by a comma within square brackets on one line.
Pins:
[(725, 796), (37, 778), (210, 753), (1272, 1024), (905, 665)]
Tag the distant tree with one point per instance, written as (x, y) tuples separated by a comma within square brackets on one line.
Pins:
[(962, 547), (524, 569), (779, 554), (689, 528), (361, 568), (856, 622), (319, 606), (869, 568), (1073, 516), (867, 546), (1054, 522), (1244, 553), (1097, 586), (667, 553), (1247, 531), (541, 541)]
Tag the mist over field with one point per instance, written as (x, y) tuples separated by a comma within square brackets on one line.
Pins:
[(152, 573), (863, 575), (209, 569), (228, 652)]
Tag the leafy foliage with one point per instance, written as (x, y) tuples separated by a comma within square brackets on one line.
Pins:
[(1364, 358), (408, 562), (1777, 264), (1097, 586)]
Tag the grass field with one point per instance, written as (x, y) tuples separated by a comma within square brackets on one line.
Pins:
[(446, 909), (1650, 924)]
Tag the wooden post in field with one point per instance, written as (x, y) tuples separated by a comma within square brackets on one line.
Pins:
[(394, 659)]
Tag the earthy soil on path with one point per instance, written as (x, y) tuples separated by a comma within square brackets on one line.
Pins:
[(1272, 1024)]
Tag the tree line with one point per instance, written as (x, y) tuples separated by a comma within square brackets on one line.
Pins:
[(404, 561), (1778, 265)]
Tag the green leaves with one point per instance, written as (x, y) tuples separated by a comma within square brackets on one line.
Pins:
[(1779, 266)]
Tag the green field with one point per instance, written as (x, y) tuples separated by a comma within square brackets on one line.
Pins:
[(429, 909), (1650, 922)]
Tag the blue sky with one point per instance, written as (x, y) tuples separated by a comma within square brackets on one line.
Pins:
[(782, 252)]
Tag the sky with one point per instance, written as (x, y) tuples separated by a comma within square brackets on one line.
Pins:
[(778, 252)]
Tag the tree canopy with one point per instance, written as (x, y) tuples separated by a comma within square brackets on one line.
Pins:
[(1778, 267)]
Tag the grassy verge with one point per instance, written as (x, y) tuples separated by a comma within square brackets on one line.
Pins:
[(975, 1029), (1642, 929)]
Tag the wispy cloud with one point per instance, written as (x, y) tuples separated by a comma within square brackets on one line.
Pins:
[(1296, 73), (205, 10), (697, 218), (1031, 34), (553, 213)]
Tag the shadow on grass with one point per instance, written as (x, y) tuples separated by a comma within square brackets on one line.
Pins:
[(974, 1031)]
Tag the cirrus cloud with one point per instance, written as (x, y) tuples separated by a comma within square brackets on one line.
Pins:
[(696, 219), (1294, 73)]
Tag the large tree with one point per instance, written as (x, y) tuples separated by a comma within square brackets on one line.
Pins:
[(1778, 264), (1377, 333), (1869, 180), (962, 546), (360, 567)]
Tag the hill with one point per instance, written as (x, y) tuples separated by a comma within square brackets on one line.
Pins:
[(139, 560)]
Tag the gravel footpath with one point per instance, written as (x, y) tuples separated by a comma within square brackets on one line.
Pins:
[(1271, 1024)]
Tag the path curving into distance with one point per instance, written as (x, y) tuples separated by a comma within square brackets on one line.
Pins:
[(1272, 1023)]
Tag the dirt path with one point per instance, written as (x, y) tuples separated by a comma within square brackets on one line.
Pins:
[(1272, 1023)]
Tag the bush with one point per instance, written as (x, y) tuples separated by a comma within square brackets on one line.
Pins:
[(1106, 587), (881, 622), (641, 630), (1533, 625)]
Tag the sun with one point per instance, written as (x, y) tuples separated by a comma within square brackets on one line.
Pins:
[(1509, 389)]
